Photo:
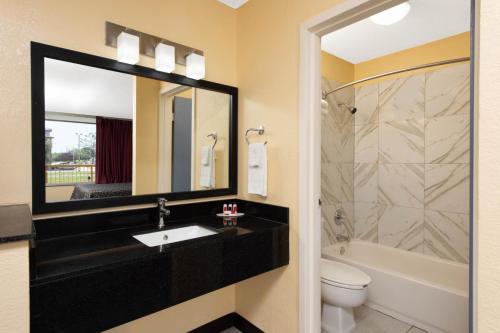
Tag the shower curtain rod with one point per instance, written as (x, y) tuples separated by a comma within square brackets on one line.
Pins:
[(432, 64)]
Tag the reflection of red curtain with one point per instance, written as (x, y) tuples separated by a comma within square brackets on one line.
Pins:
[(113, 151)]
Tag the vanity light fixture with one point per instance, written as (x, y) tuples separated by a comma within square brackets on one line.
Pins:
[(391, 15), (164, 58), (128, 48), (195, 66)]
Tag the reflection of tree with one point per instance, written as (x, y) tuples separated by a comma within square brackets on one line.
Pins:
[(48, 146), (86, 153)]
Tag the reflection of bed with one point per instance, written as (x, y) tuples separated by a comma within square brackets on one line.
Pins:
[(96, 191)]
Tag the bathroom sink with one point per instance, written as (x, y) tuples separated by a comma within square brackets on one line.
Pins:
[(173, 235)]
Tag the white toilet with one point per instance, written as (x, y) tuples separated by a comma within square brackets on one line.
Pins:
[(343, 288)]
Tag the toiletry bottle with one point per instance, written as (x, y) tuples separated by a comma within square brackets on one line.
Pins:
[(235, 209), (224, 209)]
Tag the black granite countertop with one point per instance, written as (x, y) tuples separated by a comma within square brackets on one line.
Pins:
[(15, 223), (73, 255), (89, 274)]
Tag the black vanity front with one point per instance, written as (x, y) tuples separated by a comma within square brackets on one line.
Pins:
[(100, 276)]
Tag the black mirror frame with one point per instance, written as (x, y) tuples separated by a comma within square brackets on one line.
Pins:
[(39, 205)]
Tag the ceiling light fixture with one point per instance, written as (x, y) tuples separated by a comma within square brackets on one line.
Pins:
[(195, 66), (164, 58), (128, 48), (391, 15)]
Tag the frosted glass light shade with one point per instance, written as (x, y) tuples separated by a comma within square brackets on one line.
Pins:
[(391, 15), (164, 58), (195, 66), (128, 48)]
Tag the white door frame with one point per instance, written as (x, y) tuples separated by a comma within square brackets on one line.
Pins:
[(345, 13)]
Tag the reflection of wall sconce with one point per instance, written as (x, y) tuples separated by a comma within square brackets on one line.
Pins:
[(127, 48), (164, 58), (130, 43)]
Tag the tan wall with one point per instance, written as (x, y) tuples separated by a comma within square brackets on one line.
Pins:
[(80, 26), (212, 115), (268, 79), (145, 137), (488, 225), (447, 48), (58, 193), (336, 69)]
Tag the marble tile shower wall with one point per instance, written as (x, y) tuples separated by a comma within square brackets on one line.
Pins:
[(410, 167), (411, 173), (337, 162)]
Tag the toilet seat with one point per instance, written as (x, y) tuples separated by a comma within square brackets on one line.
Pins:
[(341, 275)]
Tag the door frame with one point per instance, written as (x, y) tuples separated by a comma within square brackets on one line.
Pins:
[(343, 14)]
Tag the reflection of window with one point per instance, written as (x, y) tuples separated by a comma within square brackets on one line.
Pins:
[(69, 152)]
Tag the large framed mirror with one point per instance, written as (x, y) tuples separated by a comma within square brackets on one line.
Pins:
[(105, 133)]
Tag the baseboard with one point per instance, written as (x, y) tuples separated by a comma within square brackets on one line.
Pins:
[(227, 321)]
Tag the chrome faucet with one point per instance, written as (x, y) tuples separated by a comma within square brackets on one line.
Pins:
[(163, 212)]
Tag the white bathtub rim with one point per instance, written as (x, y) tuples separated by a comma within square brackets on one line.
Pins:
[(462, 293)]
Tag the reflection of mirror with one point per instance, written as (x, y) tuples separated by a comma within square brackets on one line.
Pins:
[(112, 134)]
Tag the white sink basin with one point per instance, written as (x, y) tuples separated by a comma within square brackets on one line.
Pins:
[(173, 235)]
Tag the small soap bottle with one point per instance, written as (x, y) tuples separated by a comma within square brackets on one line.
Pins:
[(235, 209), (224, 209)]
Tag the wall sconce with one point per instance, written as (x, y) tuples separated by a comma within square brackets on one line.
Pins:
[(195, 66), (131, 43), (164, 58), (128, 48)]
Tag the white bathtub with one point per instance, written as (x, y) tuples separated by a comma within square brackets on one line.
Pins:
[(427, 292)]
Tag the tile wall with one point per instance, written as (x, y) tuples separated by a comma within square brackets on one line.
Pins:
[(410, 163)]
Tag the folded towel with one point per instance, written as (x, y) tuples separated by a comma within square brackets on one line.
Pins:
[(255, 154), (205, 155), (257, 169), (207, 172)]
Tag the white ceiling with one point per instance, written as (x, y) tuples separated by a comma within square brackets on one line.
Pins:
[(235, 4), (427, 21), (82, 90)]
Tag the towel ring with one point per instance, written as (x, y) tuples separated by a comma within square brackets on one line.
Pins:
[(260, 130), (214, 136)]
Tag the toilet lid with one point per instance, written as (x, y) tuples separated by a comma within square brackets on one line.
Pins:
[(338, 272)]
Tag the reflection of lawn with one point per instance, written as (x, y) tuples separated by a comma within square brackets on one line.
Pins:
[(68, 176)]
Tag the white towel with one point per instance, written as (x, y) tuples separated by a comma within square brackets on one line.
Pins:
[(207, 171), (205, 155), (257, 169), (255, 154)]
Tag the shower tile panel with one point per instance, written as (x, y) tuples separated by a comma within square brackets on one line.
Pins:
[(447, 187), (346, 181), (402, 99), (447, 139), (330, 183), (366, 143), (401, 227), (366, 221), (446, 235), (447, 91), (366, 182), (366, 101), (401, 185), (402, 141), (327, 225)]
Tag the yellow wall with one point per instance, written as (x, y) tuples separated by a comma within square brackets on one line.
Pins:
[(145, 146), (206, 25), (212, 115), (488, 161), (336, 69), (268, 79), (448, 48)]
